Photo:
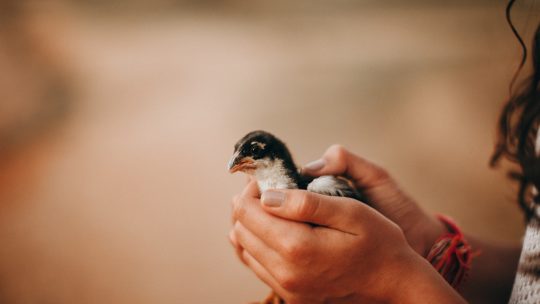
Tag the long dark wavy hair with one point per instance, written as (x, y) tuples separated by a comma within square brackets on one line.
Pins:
[(518, 125)]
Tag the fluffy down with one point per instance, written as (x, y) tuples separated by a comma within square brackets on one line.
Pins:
[(333, 186)]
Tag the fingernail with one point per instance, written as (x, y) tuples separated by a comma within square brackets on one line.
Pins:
[(272, 198), (315, 165)]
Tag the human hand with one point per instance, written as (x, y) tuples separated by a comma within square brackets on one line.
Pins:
[(383, 194), (352, 253)]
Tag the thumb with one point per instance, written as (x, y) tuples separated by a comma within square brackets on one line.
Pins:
[(373, 181), (339, 161), (340, 213)]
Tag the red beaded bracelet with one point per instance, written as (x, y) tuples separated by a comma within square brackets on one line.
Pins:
[(451, 255)]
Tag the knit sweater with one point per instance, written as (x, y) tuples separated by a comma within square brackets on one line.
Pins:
[(527, 284)]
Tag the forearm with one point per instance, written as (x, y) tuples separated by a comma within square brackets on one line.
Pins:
[(420, 283), (492, 273)]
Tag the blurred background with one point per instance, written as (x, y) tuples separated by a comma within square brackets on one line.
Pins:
[(117, 119)]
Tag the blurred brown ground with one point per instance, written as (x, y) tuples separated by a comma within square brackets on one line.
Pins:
[(117, 120)]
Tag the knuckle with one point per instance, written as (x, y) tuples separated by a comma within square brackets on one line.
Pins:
[(289, 280), (396, 229), (296, 249), (234, 202), (339, 152), (234, 244), (381, 174), (235, 229), (338, 155), (238, 208), (307, 205), (336, 148)]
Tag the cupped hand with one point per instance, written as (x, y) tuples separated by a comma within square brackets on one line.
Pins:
[(382, 193), (313, 248)]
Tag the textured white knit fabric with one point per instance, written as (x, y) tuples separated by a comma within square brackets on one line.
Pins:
[(527, 284)]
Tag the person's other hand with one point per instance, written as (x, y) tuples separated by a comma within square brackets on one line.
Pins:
[(312, 248), (383, 194)]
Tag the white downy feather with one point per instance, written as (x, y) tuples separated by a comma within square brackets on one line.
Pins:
[(271, 174), (329, 185)]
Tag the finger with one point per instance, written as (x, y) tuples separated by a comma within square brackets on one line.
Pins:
[(339, 161), (262, 273), (277, 233), (249, 178), (265, 255), (381, 190), (234, 203), (237, 248), (251, 189), (340, 213)]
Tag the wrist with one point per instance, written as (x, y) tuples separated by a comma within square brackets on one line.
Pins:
[(425, 233), (452, 255)]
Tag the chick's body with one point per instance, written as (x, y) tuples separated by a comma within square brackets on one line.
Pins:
[(268, 159)]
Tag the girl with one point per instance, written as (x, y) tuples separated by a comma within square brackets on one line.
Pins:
[(387, 254)]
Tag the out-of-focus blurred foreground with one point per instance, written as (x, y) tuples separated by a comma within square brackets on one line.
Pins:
[(117, 120)]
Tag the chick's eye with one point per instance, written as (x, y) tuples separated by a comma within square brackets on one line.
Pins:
[(255, 149)]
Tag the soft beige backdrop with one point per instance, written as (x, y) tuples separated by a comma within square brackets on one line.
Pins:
[(121, 195)]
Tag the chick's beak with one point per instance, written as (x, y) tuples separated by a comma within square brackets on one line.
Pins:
[(240, 163)]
